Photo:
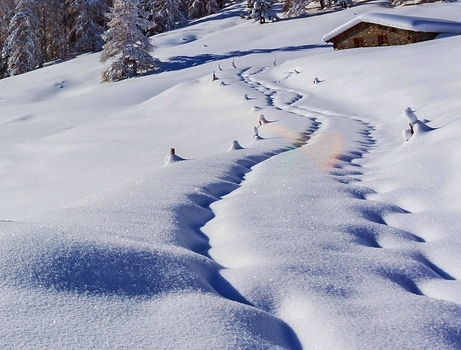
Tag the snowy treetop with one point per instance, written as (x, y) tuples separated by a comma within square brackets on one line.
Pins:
[(417, 24)]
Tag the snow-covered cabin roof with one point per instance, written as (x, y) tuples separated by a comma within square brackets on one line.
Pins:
[(417, 24)]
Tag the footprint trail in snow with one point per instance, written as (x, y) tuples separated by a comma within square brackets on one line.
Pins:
[(347, 268)]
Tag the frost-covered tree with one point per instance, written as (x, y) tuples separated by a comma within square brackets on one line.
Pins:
[(52, 32), (201, 8), (166, 15), (86, 24), (261, 10), (6, 13), (22, 46), (294, 8), (126, 44)]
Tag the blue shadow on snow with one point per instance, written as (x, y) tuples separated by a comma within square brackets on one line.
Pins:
[(182, 62)]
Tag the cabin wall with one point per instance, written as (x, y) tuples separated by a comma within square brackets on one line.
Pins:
[(370, 34)]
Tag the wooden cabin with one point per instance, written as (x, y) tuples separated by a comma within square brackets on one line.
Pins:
[(380, 29)]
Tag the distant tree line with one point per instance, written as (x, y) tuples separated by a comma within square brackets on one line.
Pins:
[(295, 8), (36, 32)]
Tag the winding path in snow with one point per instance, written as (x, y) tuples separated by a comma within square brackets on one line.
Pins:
[(344, 167), (351, 261)]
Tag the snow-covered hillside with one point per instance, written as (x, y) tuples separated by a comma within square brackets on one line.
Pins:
[(325, 229)]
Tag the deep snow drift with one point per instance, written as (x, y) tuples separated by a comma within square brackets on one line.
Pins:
[(293, 214)]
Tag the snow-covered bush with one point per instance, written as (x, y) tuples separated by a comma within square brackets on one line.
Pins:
[(415, 126), (409, 115)]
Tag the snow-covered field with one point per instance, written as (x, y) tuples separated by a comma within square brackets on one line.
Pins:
[(326, 230)]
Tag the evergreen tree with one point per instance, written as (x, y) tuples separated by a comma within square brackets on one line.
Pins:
[(262, 10), (126, 42), (22, 46), (166, 15), (201, 8), (86, 25), (6, 13), (294, 8), (52, 32)]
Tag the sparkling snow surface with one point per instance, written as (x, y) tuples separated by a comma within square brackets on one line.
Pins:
[(293, 214)]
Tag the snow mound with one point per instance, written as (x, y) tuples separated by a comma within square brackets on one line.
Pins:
[(235, 146), (262, 120), (409, 115), (172, 157)]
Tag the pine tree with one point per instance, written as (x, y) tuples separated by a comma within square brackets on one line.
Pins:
[(166, 15), (126, 42), (86, 27), (294, 8), (6, 13), (262, 11), (201, 8), (52, 32), (22, 46)]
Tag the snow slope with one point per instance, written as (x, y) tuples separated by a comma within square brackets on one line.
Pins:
[(324, 230)]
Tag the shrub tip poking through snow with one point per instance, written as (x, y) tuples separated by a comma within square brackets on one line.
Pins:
[(409, 115), (235, 146), (256, 134), (415, 126), (172, 157), (262, 120), (411, 118)]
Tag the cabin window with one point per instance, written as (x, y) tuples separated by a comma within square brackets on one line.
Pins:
[(358, 42), (382, 40)]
